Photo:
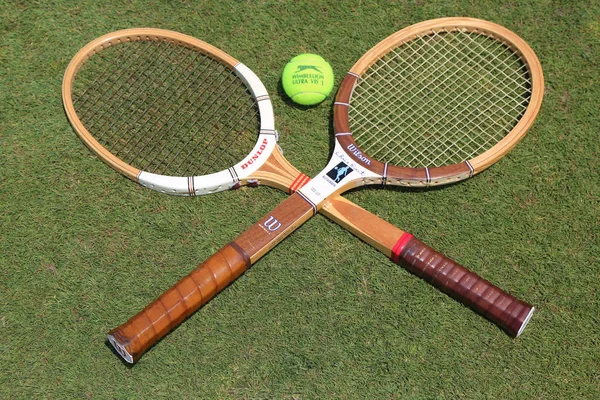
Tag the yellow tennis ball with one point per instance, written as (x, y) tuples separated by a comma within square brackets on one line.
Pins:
[(307, 79)]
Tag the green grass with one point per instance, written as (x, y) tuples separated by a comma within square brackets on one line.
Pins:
[(323, 315)]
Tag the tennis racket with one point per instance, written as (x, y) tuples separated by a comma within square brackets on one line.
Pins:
[(349, 167)]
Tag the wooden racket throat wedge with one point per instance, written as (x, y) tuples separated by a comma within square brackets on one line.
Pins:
[(143, 99)]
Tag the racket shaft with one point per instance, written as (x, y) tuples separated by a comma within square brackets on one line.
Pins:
[(138, 334), (505, 310)]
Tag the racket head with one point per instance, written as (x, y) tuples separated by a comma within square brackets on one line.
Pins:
[(438, 102), (169, 111)]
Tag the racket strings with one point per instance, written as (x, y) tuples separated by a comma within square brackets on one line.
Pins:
[(168, 117), (439, 99), (143, 119), (126, 85), (177, 120), (123, 111), (127, 117), (222, 142), (166, 108), (450, 112), (90, 97)]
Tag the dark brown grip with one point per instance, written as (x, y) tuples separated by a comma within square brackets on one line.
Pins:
[(135, 336), (507, 311)]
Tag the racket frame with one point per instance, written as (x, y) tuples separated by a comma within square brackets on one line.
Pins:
[(430, 176), (229, 178)]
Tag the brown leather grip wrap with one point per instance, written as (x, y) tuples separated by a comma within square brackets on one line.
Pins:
[(507, 311), (135, 336)]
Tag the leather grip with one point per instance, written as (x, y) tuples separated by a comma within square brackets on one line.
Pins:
[(135, 336), (510, 313)]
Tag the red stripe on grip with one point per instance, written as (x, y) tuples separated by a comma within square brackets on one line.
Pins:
[(397, 249)]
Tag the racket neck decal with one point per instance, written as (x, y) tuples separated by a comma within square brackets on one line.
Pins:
[(341, 173)]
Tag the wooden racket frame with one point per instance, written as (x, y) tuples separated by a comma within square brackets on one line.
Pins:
[(439, 175), (111, 39), (276, 171), (134, 337)]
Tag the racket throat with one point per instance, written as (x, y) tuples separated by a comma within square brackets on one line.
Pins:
[(341, 173)]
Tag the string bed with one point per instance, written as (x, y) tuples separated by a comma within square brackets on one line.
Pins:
[(166, 108), (439, 99)]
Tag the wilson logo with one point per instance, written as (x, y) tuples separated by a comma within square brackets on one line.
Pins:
[(256, 155), (272, 224), (358, 154)]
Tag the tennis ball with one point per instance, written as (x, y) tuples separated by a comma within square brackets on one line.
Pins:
[(307, 79)]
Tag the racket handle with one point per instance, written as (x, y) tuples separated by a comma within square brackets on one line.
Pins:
[(135, 336), (138, 334), (510, 313)]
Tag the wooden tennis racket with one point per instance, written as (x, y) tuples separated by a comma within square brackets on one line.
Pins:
[(477, 84)]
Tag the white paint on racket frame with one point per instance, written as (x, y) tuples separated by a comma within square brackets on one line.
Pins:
[(267, 140), (226, 179), (180, 186), (258, 90), (251, 80)]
